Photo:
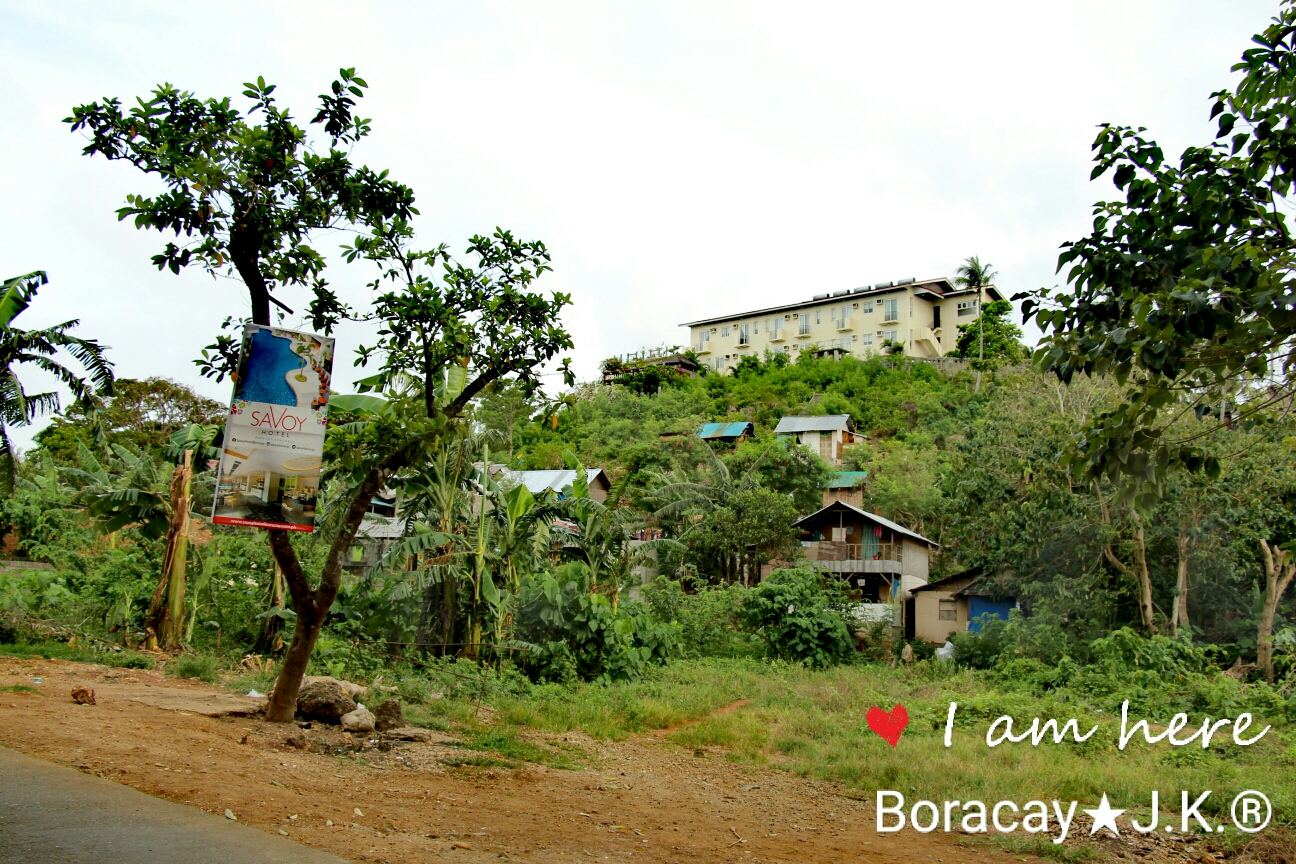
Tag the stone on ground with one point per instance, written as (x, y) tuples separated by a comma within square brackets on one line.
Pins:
[(359, 720), (389, 715), (325, 701)]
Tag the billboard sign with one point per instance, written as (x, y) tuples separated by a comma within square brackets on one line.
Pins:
[(274, 435)]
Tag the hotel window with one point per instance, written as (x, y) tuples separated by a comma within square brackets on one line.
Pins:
[(816, 316), (720, 364), (805, 324), (866, 339), (868, 308), (846, 314), (778, 327), (744, 334), (724, 331), (891, 335), (966, 308), (891, 309)]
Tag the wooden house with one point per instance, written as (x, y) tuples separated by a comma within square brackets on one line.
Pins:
[(883, 560)]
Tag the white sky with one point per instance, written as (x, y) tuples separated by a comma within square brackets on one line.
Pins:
[(680, 160)]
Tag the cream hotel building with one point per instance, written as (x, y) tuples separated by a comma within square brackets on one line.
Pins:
[(922, 316)]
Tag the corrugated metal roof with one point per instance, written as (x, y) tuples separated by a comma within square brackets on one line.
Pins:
[(873, 517), (823, 423), (539, 482), (725, 430), (846, 480), (379, 528)]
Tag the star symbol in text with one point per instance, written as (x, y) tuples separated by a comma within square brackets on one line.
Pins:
[(1104, 817)]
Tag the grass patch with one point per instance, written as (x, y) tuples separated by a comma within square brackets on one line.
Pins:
[(507, 744), (20, 688), (63, 651), (813, 724), (1042, 847), (201, 666), (666, 696)]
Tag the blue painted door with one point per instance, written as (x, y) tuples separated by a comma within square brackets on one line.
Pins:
[(985, 606)]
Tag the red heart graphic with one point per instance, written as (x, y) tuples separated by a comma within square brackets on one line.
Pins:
[(888, 724)]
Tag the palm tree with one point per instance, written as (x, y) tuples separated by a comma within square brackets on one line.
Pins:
[(688, 502), (973, 274), (39, 349)]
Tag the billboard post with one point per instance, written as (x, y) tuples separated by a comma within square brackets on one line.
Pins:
[(274, 434)]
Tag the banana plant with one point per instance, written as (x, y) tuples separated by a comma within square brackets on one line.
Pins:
[(604, 539)]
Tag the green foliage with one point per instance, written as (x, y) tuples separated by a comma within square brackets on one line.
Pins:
[(141, 415), (1180, 290), (32, 591), (796, 613), (644, 378), (708, 618), (571, 632), (248, 196), (1002, 338), (38, 349)]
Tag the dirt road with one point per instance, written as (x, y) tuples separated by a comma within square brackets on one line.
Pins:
[(645, 799)]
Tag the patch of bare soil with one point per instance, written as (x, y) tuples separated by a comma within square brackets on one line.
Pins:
[(644, 799)]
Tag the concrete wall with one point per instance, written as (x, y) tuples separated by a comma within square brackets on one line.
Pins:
[(927, 623), (916, 556)]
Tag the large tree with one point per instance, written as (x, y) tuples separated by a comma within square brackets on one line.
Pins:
[(1184, 290), (243, 196), (250, 197), (443, 338)]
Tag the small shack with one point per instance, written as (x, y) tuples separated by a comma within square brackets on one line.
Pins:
[(373, 540), (956, 604), (827, 435), (727, 433), (540, 482), (846, 486)]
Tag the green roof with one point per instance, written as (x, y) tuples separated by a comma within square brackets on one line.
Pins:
[(725, 430), (846, 480)]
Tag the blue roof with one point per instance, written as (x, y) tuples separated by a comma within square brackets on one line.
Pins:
[(725, 430)]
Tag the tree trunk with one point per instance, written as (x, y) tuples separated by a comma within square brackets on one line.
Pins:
[(448, 597), (271, 639), (980, 341), (980, 327), (1180, 616), (312, 605), (1147, 611), (1139, 572), (245, 253), (1278, 575)]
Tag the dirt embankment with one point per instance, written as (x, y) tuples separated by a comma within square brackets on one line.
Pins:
[(645, 799)]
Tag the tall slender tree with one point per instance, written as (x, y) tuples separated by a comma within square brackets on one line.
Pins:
[(974, 274)]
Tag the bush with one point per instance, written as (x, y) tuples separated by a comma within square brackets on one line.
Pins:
[(708, 618), (195, 666), (797, 614), (569, 629)]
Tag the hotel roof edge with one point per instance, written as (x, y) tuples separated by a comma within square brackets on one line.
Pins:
[(829, 299)]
